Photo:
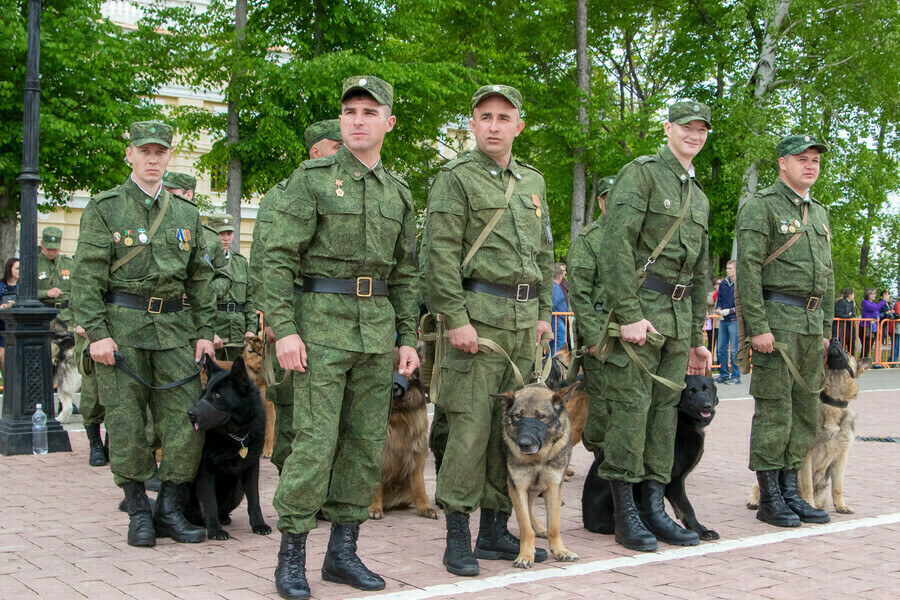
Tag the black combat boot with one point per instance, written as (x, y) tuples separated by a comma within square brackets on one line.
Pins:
[(772, 508), (290, 574), (657, 520), (140, 527), (495, 542), (458, 557), (787, 480), (596, 501), (630, 531), (342, 565), (169, 519), (98, 456)]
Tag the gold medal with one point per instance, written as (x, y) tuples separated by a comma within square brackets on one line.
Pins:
[(538, 212), (243, 452), (185, 246), (792, 229), (129, 241)]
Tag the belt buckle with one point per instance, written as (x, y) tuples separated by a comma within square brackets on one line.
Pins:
[(230, 307), (813, 303), (678, 287), (367, 280), (57, 305), (522, 292), (159, 302)]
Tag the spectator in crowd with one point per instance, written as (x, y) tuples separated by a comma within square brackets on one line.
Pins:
[(870, 311), (560, 305), (728, 328), (845, 308), (8, 293), (895, 332), (708, 325)]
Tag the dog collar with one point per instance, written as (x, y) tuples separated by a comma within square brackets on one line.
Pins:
[(240, 440), (826, 399)]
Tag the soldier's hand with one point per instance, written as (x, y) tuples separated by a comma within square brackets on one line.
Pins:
[(270, 335), (248, 335), (409, 361), (80, 331), (764, 342), (203, 347), (828, 345), (291, 353), (217, 342), (542, 328), (102, 351), (54, 292), (464, 338), (636, 333), (592, 349), (700, 361)]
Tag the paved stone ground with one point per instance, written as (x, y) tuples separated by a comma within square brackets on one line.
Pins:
[(62, 537)]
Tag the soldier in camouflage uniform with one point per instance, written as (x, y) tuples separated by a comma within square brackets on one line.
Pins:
[(347, 227), (789, 301), (55, 276), (135, 306), (503, 294), (662, 321), (236, 319), (323, 138)]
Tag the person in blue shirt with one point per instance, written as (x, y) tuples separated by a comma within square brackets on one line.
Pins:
[(559, 306), (728, 328)]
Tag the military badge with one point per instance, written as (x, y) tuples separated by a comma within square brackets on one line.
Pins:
[(538, 212), (142, 236), (338, 182), (42, 275), (183, 236), (792, 229), (784, 228), (667, 203), (128, 239), (65, 274), (339, 192), (535, 201), (116, 237)]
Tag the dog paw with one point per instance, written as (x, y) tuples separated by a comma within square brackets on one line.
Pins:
[(266, 455), (377, 514), (262, 529), (845, 510), (708, 535), (541, 533), (753, 505), (564, 555), (524, 562), (428, 513), (217, 534)]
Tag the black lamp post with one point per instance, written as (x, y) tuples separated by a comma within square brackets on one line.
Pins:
[(28, 376)]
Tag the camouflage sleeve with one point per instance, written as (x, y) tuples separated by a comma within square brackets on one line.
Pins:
[(582, 268), (752, 242), (445, 224), (698, 292), (251, 320), (403, 289), (260, 232), (828, 298), (545, 299), (199, 288), (293, 226), (626, 206), (93, 256)]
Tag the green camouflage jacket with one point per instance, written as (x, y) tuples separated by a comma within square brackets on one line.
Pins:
[(585, 291), (232, 326), (764, 224), (56, 274), (464, 197)]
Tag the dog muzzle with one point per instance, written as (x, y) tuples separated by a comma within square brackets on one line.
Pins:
[(205, 416), (401, 385), (837, 358), (530, 434)]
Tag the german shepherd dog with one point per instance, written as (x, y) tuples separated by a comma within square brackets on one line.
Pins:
[(696, 410), (66, 377), (827, 458), (538, 445), (231, 414), (405, 450)]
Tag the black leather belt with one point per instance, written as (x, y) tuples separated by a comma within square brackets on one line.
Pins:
[(231, 307), (520, 293), (150, 305), (807, 302), (298, 289), (361, 287), (676, 292)]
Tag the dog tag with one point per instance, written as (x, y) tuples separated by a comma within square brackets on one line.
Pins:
[(243, 452)]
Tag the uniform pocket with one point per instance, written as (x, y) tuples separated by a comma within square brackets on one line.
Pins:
[(457, 382)]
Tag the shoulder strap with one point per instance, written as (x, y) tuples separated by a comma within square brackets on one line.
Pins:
[(788, 243), (153, 227), (663, 242), (490, 226)]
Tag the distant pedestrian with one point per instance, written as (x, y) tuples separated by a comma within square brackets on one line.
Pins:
[(728, 328)]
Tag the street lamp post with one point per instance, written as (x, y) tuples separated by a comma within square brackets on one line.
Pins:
[(28, 376)]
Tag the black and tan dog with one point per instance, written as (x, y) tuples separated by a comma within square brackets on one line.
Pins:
[(696, 410), (826, 460), (538, 445)]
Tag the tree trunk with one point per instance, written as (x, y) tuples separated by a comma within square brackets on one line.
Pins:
[(583, 68), (235, 186), (592, 203), (8, 245)]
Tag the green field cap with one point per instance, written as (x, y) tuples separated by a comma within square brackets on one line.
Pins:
[(151, 132), (51, 238), (508, 92), (323, 130), (685, 112), (795, 144), (180, 181), (220, 222), (604, 185), (381, 90)]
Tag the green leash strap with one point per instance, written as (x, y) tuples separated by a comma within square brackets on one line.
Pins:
[(267, 368), (539, 351), (654, 339), (782, 348)]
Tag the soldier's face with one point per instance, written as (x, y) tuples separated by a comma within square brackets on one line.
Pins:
[(686, 141), (364, 123), (226, 237), (189, 194), (325, 148), (51, 254), (148, 163), (495, 124), (800, 171)]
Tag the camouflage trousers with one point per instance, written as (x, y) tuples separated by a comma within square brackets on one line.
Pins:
[(784, 421), (642, 415), (89, 406), (473, 471), (282, 397), (341, 407), (437, 437), (127, 403), (596, 422)]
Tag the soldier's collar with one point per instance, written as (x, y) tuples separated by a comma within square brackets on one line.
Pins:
[(144, 193), (356, 168), (489, 165), (791, 193), (668, 157)]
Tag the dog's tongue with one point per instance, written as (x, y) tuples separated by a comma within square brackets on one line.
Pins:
[(196, 426), (704, 415)]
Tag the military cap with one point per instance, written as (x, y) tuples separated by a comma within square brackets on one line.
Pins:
[(51, 238), (181, 181), (151, 132), (685, 112), (795, 144), (323, 130), (220, 222), (508, 92), (381, 90), (604, 185)]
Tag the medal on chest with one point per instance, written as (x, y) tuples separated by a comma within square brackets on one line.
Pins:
[(129, 241), (536, 202), (183, 236), (65, 274), (142, 236)]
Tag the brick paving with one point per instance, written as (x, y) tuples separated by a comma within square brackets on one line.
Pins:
[(61, 535)]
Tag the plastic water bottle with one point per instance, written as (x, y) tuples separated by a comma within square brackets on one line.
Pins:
[(39, 431)]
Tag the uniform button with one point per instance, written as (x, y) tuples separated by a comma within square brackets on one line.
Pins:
[(667, 204), (356, 173), (683, 177), (493, 172), (518, 176), (148, 201)]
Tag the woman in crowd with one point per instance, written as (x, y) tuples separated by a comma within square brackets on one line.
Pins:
[(845, 331), (870, 310), (8, 286)]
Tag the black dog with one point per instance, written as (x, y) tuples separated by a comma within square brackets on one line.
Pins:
[(696, 410), (231, 413)]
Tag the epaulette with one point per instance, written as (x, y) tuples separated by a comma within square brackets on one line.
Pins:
[(769, 191), (459, 160), (313, 163), (527, 166), (646, 158), (397, 178), (819, 203), (180, 197), (107, 194)]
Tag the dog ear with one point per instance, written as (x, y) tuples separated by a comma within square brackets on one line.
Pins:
[(210, 366), (862, 365), (506, 398), (239, 377)]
